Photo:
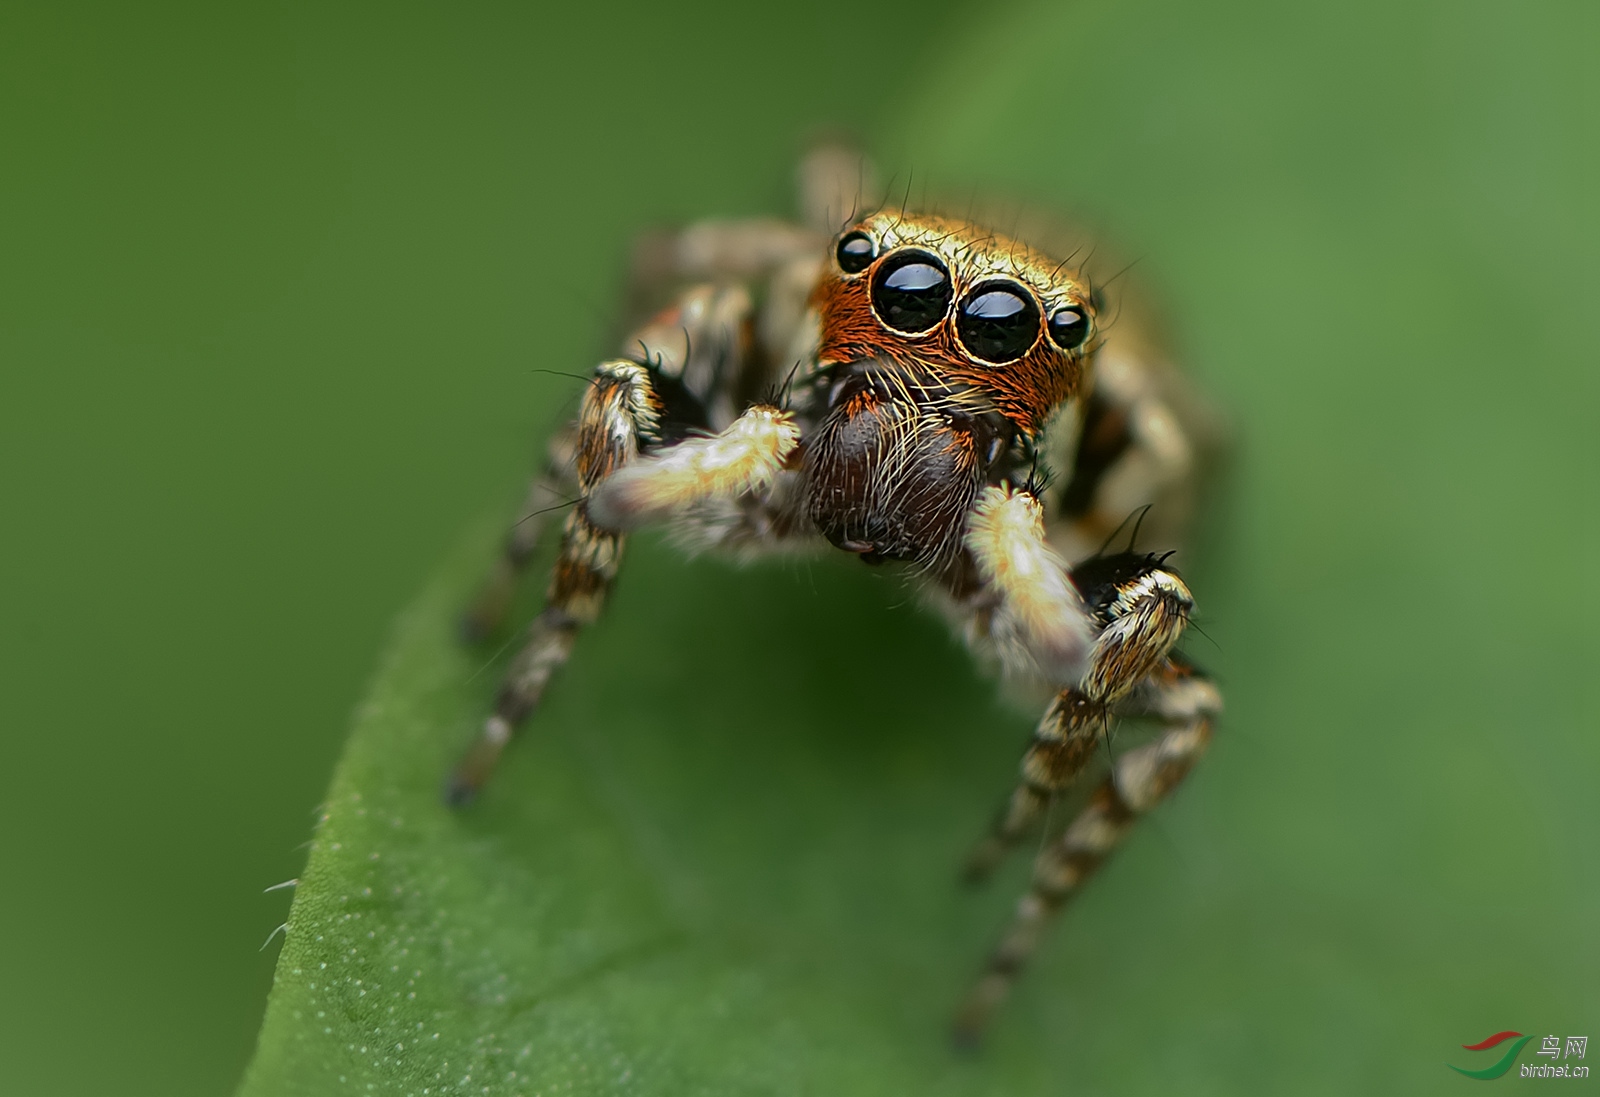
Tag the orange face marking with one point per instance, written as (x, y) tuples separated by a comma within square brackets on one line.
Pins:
[(861, 403), (1025, 388)]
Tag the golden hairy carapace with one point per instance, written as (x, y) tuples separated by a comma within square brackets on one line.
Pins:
[(919, 391)]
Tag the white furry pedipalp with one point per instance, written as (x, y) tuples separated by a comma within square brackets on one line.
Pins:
[(1040, 622), (745, 457)]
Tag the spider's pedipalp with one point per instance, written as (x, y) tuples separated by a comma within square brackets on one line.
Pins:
[(1039, 623), (743, 458)]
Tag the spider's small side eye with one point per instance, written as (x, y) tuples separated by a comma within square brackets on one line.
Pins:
[(911, 291), (856, 252), (998, 322), (1069, 327)]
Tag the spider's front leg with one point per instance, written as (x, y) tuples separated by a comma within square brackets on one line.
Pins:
[(550, 491), (1062, 745), (620, 410), (692, 354), (1140, 609), (620, 490)]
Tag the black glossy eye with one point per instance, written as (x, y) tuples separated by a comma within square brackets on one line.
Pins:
[(911, 291), (998, 322), (1069, 327), (856, 252)]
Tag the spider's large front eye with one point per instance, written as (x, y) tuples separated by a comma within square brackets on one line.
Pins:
[(1069, 327), (911, 291), (856, 252), (998, 322)]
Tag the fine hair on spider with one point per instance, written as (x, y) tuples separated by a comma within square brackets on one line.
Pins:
[(919, 391)]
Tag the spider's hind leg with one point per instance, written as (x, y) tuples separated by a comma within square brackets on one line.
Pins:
[(641, 452), (1147, 445)]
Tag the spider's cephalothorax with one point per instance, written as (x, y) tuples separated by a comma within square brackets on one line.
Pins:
[(907, 388), (941, 355)]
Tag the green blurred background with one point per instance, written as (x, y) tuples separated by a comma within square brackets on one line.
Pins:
[(274, 283)]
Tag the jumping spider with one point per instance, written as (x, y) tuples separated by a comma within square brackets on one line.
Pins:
[(917, 389)]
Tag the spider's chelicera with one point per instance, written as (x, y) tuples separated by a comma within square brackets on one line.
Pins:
[(937, 395)]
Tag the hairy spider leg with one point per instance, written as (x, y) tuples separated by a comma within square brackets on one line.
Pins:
[(692, 348), (620, 491), (1143, 608), (554, 488), (1186, 702), (1062, 745), (620, 410)]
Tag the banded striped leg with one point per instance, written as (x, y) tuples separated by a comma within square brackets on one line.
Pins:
[(1062, 745), (620, 492), (620, 411), (1187, 703), (548, 491), (695, 347), (1141, 609)]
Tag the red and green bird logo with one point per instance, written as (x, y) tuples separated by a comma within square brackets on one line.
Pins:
[(1506, 1060)]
